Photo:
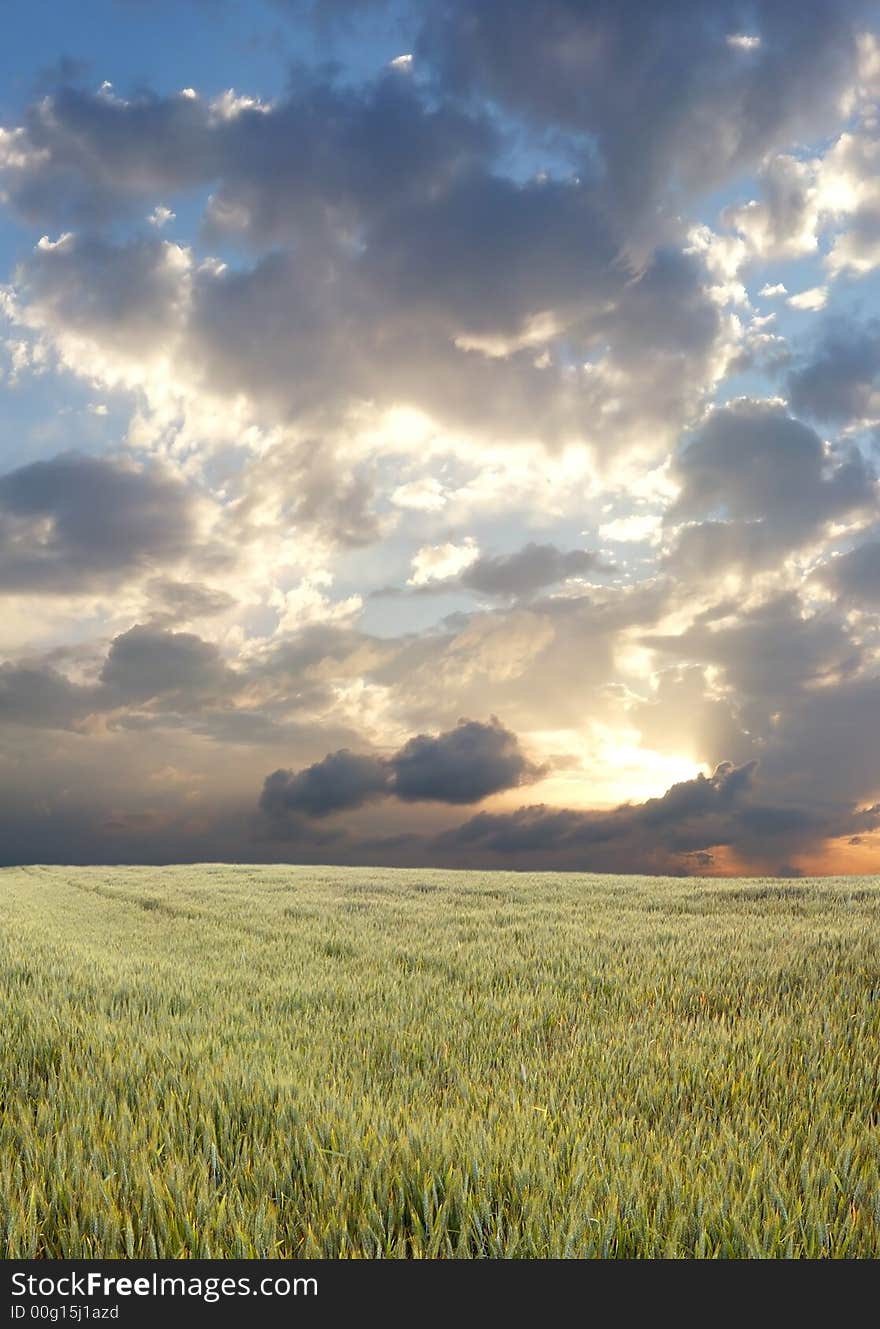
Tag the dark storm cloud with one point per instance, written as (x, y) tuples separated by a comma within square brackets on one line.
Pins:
[(464, 765), (468, 763), (342, 780), (836, 381), (693, 815), (85, 830), (76, 522), (721, 811), (758, 483), (146, 662), (675, 833)]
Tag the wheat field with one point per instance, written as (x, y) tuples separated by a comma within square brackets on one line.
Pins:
[(214, 1061)]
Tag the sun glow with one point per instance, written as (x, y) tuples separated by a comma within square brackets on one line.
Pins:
[(601, 768)]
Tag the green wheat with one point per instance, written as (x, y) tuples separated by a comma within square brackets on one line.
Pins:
[(218, 1061)]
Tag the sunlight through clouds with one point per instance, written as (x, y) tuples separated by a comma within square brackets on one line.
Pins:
[(468, 381)]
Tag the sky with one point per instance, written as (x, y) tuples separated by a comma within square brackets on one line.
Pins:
[(441, 434)]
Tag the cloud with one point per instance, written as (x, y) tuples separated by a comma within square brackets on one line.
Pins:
[(182, 601), (855, 576), (371, 283), (669, 102), (685, 712), (802, 198), (802, 690), (129, 299), (782, 222), (38, 696), (519, 575), (767, 653), (464, 765), (698, 814), (756, 483), (343, 780), (857, 251), (837, 381), (317, 158), (820, 754), (814, 299), (638, 527), (441, 563), (680, 832), (849, 181), (449, 322), (146, 663), (74, 523), (530, 569), (312, 488), (79, 157), (161, 216)]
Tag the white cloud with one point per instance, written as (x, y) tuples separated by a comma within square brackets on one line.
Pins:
[(783, 221), (307, 604), (855, 252), (65, 241), (743, 41), (161, 216), (770, 292), (230, 104), (635, 529), (814, 299), (439, 562), (425, 495)]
